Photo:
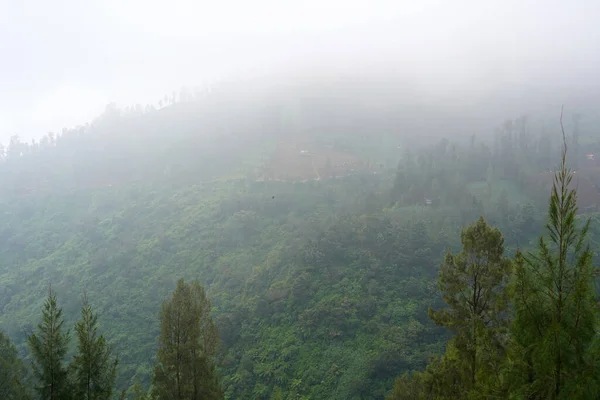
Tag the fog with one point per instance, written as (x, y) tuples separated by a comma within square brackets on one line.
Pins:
[(63, 61)]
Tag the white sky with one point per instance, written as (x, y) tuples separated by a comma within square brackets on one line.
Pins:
[(62, 61)]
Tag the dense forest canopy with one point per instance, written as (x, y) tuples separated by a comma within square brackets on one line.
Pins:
[(315, 216)]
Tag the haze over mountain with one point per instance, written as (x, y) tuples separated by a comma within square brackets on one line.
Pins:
[(275, 200), (64, 61)]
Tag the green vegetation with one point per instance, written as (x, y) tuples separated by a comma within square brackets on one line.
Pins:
[(556, 310), (90, 376), (94, 370), (48, 347), (318, 290), (184, 366), (549, 350), (188, 341), (13, 378), (473, 285)]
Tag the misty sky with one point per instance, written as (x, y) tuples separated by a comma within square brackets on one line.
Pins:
[(63, 61)]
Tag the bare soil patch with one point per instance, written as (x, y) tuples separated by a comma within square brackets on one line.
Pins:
[(303, 161)]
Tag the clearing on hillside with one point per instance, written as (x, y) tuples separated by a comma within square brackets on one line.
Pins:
[(303, 161)]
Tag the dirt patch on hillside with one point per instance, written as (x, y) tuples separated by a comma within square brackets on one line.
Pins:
[(303, 161)]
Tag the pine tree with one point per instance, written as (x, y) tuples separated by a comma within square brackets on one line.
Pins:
[(185, 366), (474, 286), (94, 369), (554, 351), (48, 348), (12, 371)]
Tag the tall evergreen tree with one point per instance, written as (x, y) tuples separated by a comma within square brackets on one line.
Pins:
[(48, 347), (94, 368), (474, 286), (12, 371), (554, 354), (185, 366)]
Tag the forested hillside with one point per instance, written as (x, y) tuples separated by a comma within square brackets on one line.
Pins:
[(524, 326), (316, 224)]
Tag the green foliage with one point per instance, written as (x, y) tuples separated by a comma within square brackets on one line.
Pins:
[(319, 289), (474, 286), (441, 380), (13, 378), (556, 312), (48, 348), (551, 349), (94, 369), (187, 344), (137, 392), (92, 372)]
